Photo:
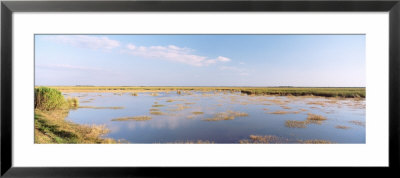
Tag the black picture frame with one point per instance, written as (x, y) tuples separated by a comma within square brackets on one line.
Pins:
[(8, 7)]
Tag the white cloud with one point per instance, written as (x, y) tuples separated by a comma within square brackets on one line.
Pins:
[(173, 53), (223, 59), (86, 41)]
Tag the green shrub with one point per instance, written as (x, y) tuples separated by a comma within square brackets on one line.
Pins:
[(48, 99)]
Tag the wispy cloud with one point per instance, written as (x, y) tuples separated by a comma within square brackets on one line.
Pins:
[(86, 41), (173, 53), (69, 67)]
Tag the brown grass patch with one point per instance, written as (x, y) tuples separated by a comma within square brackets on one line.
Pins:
[(316, 141), (157, 113), (296, 124), (315, 117), (228, 115), (342, 127), (263, 139)]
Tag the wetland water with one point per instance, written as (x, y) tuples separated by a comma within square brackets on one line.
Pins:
[(221, 117)]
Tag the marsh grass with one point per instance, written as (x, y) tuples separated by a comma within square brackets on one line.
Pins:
[(228, 115), (192, 142), (311, 119), (134, 94), (342, 127), (158, 105), (101, 107), (315, 117), (296, 124), (316, 141), (73, 103), (135, 118), (197, 112), (263, 139), (157, 113), (154, 109)]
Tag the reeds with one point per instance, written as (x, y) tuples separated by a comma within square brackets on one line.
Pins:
[(228, 115)]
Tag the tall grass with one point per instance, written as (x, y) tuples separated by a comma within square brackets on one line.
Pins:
[(48, 99)]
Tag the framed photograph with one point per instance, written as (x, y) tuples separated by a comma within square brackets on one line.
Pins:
[(141, 88)]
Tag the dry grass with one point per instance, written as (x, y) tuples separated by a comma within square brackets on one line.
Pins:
[(154, 109), (296, 124), (315, 117), (263, 139), (51, 127), (342, 127), (135, 118), (320, 103), (193, 142), (228, 115), (316, 141), (158, 105), (197, 112), (100, 107), (157, 113)]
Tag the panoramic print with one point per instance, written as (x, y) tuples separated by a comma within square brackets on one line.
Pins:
[(200, 89)]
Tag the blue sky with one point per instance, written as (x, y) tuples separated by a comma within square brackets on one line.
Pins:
[(201, 60)]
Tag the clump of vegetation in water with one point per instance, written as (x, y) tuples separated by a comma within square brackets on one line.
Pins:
[(229, 115), (315, 141), (134, 94), (135, 118), (263, 139), (315, 117), (158, 105), (157, 113), (342, 127), (197, 112), (296, 124)]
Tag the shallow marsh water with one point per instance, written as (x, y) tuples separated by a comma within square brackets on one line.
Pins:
[(188, 117)]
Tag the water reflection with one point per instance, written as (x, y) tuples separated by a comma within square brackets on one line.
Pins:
[(186, 117)]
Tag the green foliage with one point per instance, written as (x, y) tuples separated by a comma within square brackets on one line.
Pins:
[(48, 99)]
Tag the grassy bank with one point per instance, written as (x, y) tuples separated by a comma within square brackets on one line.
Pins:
[(50, 123), (282, 91)]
